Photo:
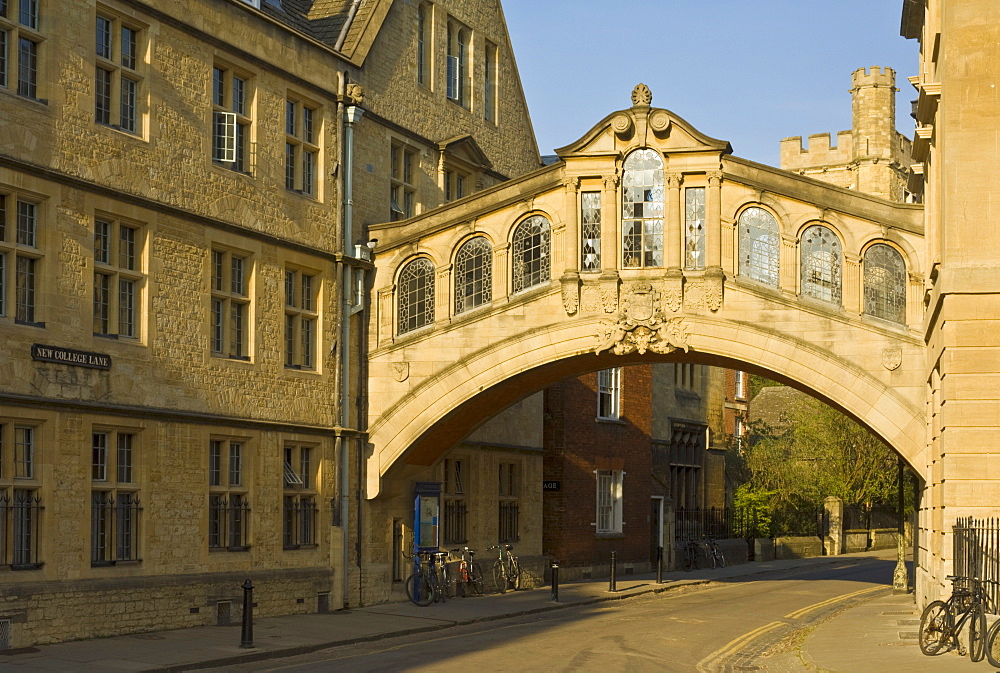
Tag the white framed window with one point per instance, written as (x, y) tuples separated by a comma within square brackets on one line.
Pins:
[(642, 210), (609, 501), (459, 43), (590, 231), (456, 184), (118, 100), (740, 385), (822, 262), (473, 271), (232, 102), (694, 228), (230, 304), (530, 258), (402, 192), (118, 277), (759, 239), (415, 296), (20, 42), (609, 393), (301, 318), (885, 283), (302, 134)]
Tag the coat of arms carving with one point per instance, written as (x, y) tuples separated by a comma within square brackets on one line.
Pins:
[(641, 326), (400, 371)]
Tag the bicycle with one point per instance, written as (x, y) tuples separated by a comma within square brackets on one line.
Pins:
[(428, 583), (506, 569), (470, 573), (938, 626), (715, 556), (690, 554)]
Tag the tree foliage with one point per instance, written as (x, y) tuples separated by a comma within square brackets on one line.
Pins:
[(814, 452)]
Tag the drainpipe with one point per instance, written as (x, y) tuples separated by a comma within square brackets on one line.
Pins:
[(352, 115), (347, 25)]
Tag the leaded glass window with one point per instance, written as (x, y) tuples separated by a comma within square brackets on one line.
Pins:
[(590, 223), (822, 261), (759, 247), (642, 210), (473, 274), (531, 247), (694, 228), (416, 295), (885, 283)]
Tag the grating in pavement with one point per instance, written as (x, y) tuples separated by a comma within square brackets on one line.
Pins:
[(907, 635), (907, 622), (899, 612)]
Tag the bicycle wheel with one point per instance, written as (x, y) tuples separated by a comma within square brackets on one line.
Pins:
[(514, 573), (935, 627), (710, 558), (476, 578), (689, 559), (441, 585), (977, 633), (419, 590), (721, 558), (993, 645), (500, 576)]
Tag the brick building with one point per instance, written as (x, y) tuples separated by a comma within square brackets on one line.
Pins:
[(624, 448), (181, 287)]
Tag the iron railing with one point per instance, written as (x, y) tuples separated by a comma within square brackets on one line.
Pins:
[(454, 531), (976, 552), (228, 522), (114, 528), (508, 521), (20, 524), (875, 517), (722, 523)]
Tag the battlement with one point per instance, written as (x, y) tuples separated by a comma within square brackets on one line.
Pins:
[(875, 76), (818, 152)]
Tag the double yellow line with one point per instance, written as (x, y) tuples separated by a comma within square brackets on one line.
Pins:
[(830, 601), (712, 661)]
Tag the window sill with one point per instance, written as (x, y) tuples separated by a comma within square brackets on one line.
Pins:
[(610, 536), (610, 421), (222, 549), (299, 192), (231, 169), (29, 323), (296, 547), (135, 135), (232, 358), (112, 564), (26, 566)]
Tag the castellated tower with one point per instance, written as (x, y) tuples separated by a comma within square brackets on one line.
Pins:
[(872, 157)]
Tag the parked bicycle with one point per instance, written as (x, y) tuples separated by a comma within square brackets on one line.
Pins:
[(506, 569), (691, 554), (470, 573), (429, 583), (942, 621), (715, 556)]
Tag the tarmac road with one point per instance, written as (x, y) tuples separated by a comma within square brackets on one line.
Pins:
[(737, 625)]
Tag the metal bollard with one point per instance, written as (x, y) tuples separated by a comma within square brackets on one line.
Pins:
[(247, 636), (614, 572), (555, 582), (659, 565)]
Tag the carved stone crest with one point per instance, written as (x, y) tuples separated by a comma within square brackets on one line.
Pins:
[(641, 95), (355, 93), (892, 357), (641, 326), (400, 371)]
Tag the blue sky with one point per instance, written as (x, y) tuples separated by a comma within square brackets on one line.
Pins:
[(748, 71)]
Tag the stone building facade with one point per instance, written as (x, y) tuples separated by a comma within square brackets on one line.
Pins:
[(181, 289)]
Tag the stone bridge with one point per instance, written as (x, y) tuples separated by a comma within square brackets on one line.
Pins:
[(647, 242)]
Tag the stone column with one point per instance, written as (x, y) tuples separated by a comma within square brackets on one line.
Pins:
[(713, 221), (501, 273), (572, 219), (673, 246), (609, 227), (385, 315), (834, 540), (914, 299), (852, 286), (789, 265), (442, 294)]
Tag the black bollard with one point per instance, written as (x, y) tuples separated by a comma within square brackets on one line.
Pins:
[(555, 582), (247, 636), (614, 572), (659, 565)]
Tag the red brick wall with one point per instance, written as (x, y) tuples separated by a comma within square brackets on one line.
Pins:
[(577, 444)]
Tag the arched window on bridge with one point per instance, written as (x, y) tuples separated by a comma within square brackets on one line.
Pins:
[(642, 210), (759, 246), (415, 295), (532, 257), (885, 283), (473, 274), (822, 261)]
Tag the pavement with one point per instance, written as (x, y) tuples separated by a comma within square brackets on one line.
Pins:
[(873, 630)]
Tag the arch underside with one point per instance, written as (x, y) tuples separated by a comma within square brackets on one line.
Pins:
[(441, 410)]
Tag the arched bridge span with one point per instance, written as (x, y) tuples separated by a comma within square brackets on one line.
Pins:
[(648, 242)]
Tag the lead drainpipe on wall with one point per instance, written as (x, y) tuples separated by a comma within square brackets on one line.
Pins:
[(347, 25), (351, 116)]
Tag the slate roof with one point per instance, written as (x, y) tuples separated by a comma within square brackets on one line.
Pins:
[(322, 20)]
